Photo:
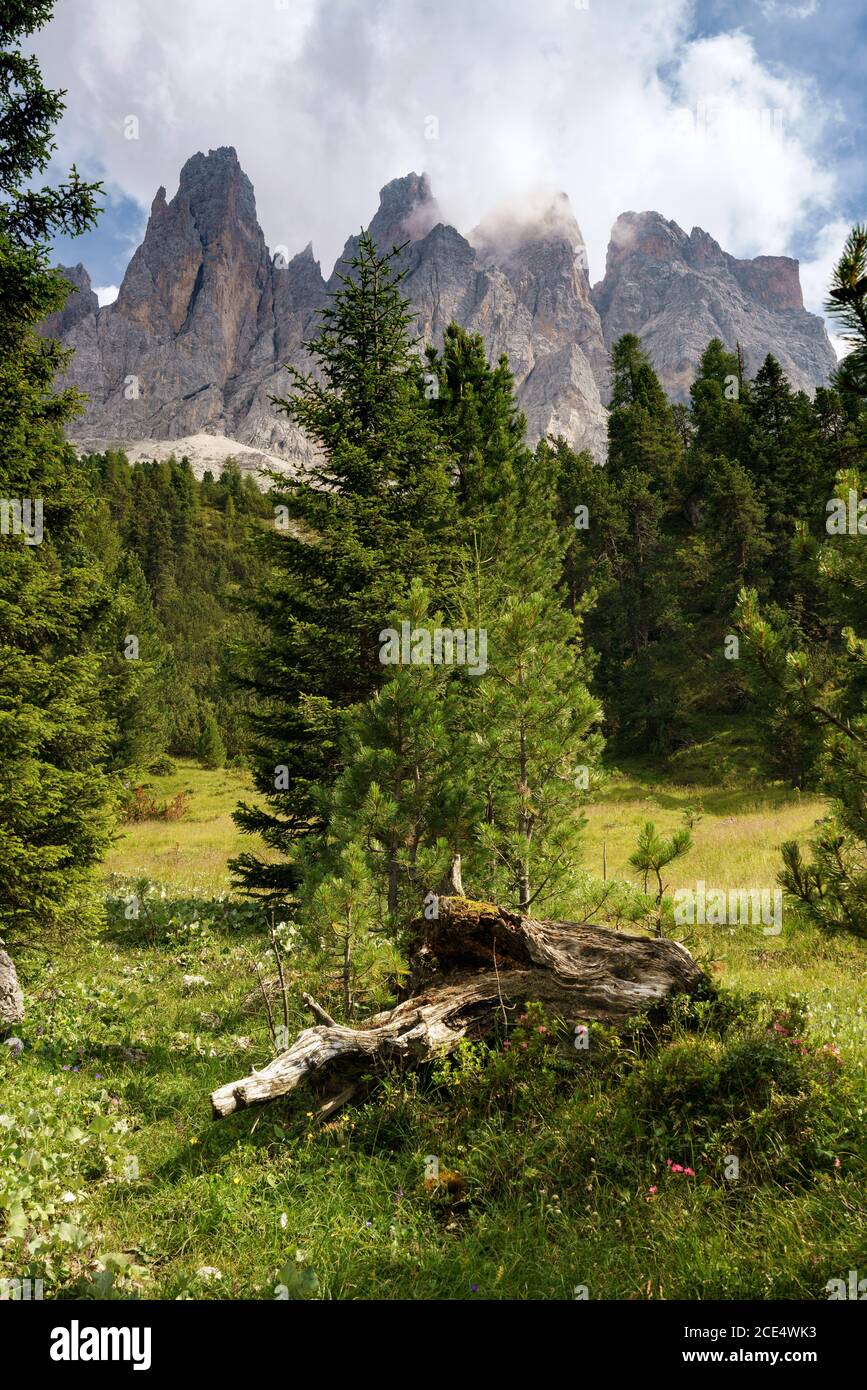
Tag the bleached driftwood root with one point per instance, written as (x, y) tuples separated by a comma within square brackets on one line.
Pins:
[(476, 961)]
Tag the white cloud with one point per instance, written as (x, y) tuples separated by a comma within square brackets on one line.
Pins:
[(106, 294), (326, 102), (816, 273)]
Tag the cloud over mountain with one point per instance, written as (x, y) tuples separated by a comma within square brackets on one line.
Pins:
[(620, 104)]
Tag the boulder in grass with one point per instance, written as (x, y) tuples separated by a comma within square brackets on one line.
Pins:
[(191, 982), (11, 997)]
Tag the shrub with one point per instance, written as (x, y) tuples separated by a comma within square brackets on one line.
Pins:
[(140, 805), (163, 766)]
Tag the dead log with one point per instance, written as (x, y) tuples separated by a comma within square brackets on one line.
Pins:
[(475, 962), (318, 1012)]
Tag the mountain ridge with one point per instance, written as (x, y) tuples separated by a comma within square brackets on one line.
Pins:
[(206, 317)]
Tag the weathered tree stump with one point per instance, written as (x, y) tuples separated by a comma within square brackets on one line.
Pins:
[(476, 961)]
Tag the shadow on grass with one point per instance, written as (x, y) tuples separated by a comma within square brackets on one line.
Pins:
[(713, 798)]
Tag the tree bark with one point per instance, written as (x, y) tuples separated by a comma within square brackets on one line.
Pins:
[(475, 963)]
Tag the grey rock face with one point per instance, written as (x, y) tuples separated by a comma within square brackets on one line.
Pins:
[(520, 283), (171, 356), (526, 293), (206, 320), (676, 292), (11, 996), (82, 304)]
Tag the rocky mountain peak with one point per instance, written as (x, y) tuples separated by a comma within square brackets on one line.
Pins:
[(81, 304), (78, 276), (677, 292), (407, 211), (645, 234), (201, 265), (702, 251), (302, 267), (218, 191)]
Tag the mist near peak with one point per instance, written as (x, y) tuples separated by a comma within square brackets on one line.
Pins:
[(540, 213)]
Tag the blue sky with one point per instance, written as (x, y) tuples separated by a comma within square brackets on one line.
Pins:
[(827, 42), (747, 119)]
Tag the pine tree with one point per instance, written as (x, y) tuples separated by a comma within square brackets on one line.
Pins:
[(55, 798), (488, 759), (847, 301), (338, 912), (352, 532), (534, 718), (396, 795), (653, 853), (532, 724)]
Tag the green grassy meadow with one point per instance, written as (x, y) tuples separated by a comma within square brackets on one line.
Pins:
[(189, 855), (554, 1178)]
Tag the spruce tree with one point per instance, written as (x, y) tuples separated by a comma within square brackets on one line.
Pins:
[(211, 750), (718, 398), (352, 531), (133, 673), (628, 520), (827, 696), (55, 796), (475, 411)]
